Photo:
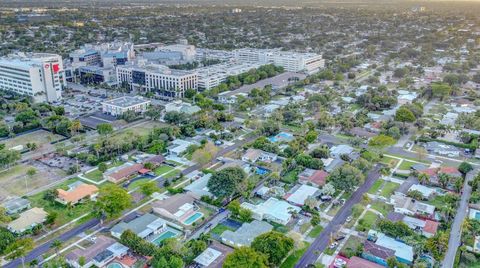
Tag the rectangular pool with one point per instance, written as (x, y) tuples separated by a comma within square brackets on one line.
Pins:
[(193, 218), (163, 236)]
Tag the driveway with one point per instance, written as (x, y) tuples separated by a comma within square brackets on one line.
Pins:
[(323, 240), (456, 230)]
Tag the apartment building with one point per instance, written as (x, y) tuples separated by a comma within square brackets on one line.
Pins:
[(38, 75)]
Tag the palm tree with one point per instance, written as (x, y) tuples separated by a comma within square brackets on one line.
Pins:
[(443, 179), (423, 178), (75, 127), (56, 245)]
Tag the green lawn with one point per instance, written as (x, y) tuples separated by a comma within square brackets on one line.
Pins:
[(391, 162), (291, 176), (367, 221), (382, 207), (388, 188), (162, 169), (172, 174), (411, 158), (97, 175), (315, 231), (291, 260), (376, 186), (220, 228), (406, 165), (351, 246), (137, 183)]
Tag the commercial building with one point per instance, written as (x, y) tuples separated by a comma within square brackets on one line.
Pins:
[(290, 61), (103, 55), (160, 79), (38, 75), (97, 74), (119, 106), (181, 107), (212, 76)]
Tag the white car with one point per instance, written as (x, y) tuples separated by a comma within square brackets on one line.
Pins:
[(338, 263)]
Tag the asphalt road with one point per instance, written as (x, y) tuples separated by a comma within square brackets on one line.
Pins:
[(456, 230), (323, 240), (40, 250)]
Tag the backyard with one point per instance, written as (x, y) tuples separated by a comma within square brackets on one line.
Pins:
[(291, 260)]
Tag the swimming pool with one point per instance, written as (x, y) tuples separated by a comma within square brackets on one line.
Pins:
[(477, 215), (193, 218), (114, 265), (261, 171), (282, 136), (163, 236)]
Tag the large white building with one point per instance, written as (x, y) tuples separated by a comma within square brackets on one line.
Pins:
[(38, 75), (119, 106), (291, 61), (157, 78), (212, 76)]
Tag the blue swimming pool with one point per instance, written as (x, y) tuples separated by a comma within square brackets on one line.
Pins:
[(193, 218), (261, 171), (114, 265), (282, 136), (163, 236), (477, 215)]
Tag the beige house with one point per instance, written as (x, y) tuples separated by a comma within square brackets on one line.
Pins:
[(27, 220)]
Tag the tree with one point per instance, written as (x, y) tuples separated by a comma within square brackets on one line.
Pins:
[(224, 183), (51, 218), (204, 155), (112, 201), (75, 127), (328, 189), (311, 136), (102, 167), (437, 245), (149, 187), (465, 167), (346, 178), (315, 220), (104, 129), (19, 249), (441, 90), (404, 115), (274, 245), (8, 157), (137, 244), (245, 257), (56, 245), (6, 238), (423, 178)]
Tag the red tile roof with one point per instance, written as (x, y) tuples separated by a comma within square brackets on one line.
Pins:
[(378, 251), (431, 227), (78, 193), (449, 170), (126, 172), (356, 262)]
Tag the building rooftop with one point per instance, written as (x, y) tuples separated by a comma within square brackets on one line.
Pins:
[(278, 208), (101, 243), (76, 194), (142, 226), (247, 232), (301, 194), (199, 187), (27, 219), (127, 101), (401, 250), (15, 204)]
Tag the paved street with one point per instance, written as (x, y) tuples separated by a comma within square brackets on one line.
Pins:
[(456, 230), (322, 241), (40, 250)]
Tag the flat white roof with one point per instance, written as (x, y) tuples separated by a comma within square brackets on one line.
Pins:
[(207, 257), (302, 193)]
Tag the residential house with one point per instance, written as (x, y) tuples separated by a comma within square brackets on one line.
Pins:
[(213, 256), (198, 187), (15, 206), (357, 262), (474, 212), (313, 177), (123, 172), (426, 192), (76, 193), (254, 155), (103, 250), (442, 149), (245, 235), (406, 97), (273, 209), (342, 149), (427, 228), (379, 247), (409, 206), (156, 160), (267, 192), (27, 220), (181, 107), (298, 195), (179, 147), (178, 207), (433, 174), (332, 163), (145, 226)]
